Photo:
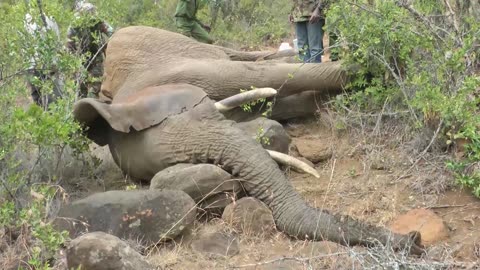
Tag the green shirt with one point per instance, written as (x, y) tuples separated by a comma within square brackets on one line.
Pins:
[(188, 8)]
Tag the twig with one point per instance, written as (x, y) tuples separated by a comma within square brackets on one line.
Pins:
[(297, 259), (420, 156), (420, 17), (42, 15), (446, 206)]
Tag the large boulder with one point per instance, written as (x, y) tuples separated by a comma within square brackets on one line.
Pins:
[(101, 251), (208, 184), (313, 150), (430, 225), (250, 216), (148, 215), (268, 132)]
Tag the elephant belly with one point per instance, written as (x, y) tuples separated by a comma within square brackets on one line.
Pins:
[(142, 154)]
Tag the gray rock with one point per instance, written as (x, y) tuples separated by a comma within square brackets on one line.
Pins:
[(269, 133), (147, 215), (217, 243), (205, 183), (313, 150), (101, 251), (250, 216)]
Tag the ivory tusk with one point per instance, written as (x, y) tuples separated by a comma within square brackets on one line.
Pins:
[(245, 97), (291, 161)]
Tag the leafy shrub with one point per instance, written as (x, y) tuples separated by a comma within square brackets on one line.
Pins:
[(413, 57)]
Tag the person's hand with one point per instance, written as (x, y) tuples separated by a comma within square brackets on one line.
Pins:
[(315, 16), (290, 18), (207, 28)]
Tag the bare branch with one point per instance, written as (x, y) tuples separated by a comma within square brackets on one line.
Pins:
[(42, 15)]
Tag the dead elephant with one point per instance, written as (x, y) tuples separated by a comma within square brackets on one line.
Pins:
[(138, 57), (161, 126)]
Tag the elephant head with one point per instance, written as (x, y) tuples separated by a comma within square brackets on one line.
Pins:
[(165, 125)]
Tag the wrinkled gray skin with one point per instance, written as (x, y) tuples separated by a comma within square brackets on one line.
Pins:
[(166, 125), (140, 57)]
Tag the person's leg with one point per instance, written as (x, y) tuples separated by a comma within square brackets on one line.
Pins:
[(315, 40), (94, 80), (200, 34), (184, 26), (302, 40), (33, 78)]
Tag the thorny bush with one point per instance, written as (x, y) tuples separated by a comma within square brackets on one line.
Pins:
[(416, 56)]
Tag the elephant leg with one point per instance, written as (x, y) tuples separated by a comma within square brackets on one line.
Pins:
[(284, 108)]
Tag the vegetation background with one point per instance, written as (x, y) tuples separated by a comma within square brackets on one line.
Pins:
[(418, 60)]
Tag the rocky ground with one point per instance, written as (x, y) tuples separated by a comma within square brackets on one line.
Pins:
[(370, 175)]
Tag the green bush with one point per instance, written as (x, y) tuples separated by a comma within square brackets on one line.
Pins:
[(29, 132), (413, 58)]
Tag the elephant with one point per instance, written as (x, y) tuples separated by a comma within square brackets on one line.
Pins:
[(160, 126), (138, 57)]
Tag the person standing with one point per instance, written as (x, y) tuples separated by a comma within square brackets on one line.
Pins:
[(86, 37), (309, 21), (187, 22), (43, 67)]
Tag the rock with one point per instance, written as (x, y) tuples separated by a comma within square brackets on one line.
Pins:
[(101, 251), (250, 216), (200, 181), (430, 225), (313, 150), (217, 243), (149, 215), (269, 133)]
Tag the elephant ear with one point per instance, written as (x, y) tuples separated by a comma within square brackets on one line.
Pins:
[(139, 111)]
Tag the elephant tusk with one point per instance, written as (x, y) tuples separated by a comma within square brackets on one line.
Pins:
[(245, 97), (291, 161)]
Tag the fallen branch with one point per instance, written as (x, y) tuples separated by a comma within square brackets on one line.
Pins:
[(297, 259), (446, 206)]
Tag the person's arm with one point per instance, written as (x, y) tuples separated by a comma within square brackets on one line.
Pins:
[(71, 44), (316, 12), (106, 29)]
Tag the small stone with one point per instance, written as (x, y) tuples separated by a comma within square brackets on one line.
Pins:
[(217, 243), (250, 216), (312, 150), (148, 215), (101, 251), (430, 225)]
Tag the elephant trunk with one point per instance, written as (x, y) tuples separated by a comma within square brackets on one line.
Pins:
[(221, 79), (228, 147)]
